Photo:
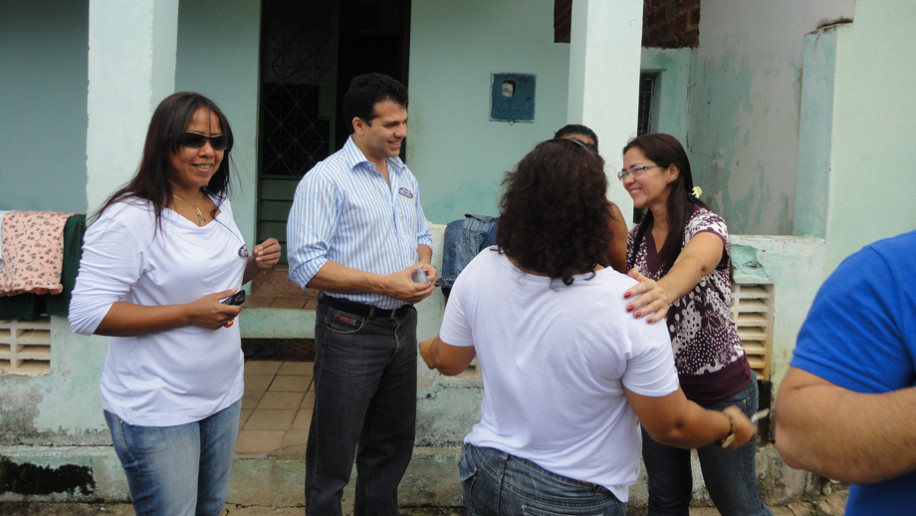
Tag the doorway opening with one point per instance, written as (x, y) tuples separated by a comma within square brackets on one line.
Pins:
[(310, 50)]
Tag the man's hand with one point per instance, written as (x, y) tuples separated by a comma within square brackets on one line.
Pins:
[(431, 274), (401, 285)]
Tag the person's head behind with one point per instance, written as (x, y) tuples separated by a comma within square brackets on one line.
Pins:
[(365, 91), (553, 216), (165, 138), (667, 152), (578, 132)]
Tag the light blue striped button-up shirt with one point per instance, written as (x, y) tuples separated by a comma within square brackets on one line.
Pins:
[(345, 212)]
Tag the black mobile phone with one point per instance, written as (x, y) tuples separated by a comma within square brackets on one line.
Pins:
[(235, 299)]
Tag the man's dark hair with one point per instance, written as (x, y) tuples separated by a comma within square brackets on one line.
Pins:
[(169, 122), (365, 92), (553, 215), (571, 129)]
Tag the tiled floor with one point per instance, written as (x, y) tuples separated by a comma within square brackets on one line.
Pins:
[(278, 400), (274, 289), (276, 408)]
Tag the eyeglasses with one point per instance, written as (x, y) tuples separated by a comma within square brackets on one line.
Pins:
[(196, 141), (634, 172)]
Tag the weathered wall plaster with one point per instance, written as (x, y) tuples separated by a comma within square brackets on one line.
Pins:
[(743, 135)]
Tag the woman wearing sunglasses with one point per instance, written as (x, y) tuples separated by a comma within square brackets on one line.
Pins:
[(681, 256), (162, 254)]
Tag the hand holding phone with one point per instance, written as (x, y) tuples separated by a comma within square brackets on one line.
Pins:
[(235, 299), (420, 276)]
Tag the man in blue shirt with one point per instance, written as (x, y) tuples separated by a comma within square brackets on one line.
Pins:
[(847, 407), (356, 232)]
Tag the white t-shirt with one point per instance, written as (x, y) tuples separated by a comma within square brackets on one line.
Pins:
[(172, 377), (555, 360)]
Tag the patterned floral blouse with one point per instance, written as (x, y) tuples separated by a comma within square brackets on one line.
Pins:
[(703, 336)]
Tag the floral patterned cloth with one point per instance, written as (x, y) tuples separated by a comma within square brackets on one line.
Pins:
[(33, 252)]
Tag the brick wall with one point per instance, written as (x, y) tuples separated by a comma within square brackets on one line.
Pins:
[(671, 23)]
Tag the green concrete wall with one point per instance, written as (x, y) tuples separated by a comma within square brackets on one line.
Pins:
[(43, 120), (872, 183), (673, 70), (458, 155), (221, 61)]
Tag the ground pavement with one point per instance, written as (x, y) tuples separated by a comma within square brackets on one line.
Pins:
[(833, 504)]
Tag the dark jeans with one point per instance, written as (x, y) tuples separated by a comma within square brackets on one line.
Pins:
[(730, 476), (499, 484), (365, 395)]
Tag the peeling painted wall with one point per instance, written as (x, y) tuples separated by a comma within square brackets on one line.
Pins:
[(744, 105), (62, 407)]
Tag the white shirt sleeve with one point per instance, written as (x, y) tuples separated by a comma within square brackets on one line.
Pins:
[(111, 264)]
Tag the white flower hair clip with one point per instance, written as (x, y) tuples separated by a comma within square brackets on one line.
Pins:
[(696, 192)]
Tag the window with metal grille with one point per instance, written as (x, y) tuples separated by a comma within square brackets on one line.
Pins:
[(646, 92), (752, 311), (25, 346)]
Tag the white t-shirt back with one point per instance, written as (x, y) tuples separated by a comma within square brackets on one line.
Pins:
[(555, 360)]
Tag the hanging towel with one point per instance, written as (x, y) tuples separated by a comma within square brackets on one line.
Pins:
[(32, 306), (2, 213), (33, 252)]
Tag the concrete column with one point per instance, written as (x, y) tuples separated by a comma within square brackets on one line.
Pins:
[(604, 59), (132, 48)]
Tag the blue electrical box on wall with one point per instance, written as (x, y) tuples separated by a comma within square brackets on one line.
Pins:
[(512, 97)]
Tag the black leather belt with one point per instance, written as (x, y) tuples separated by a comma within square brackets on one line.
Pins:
[(361, 309)]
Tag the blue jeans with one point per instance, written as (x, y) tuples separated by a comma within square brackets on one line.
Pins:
[(730, 476), (365, 399), (178, 470), (499, 484)]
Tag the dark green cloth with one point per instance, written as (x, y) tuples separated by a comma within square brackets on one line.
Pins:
[(32, 306)]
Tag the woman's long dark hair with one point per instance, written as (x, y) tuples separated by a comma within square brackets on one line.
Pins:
[(169, 122), (553, 215), (665, 150)]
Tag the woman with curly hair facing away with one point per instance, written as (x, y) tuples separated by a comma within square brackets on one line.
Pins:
[(680, 253), (566, 371)]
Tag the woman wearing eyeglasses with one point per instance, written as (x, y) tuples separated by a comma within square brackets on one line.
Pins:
[(681, 256), (162, 254), (566, 371)]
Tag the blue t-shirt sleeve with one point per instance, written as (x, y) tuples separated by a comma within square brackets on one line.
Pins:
[(853, 336)]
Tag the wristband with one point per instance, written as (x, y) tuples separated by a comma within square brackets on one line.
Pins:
[(729, 438)]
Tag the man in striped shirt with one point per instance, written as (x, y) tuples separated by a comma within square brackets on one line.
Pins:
[(356, 232)]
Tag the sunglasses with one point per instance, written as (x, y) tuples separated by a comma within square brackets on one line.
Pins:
[(196, 141)]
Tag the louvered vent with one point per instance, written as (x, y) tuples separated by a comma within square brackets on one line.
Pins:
[(25, 346), (752, 311)]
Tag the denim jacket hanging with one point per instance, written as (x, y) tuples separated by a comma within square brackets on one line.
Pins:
[(464, 238)]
